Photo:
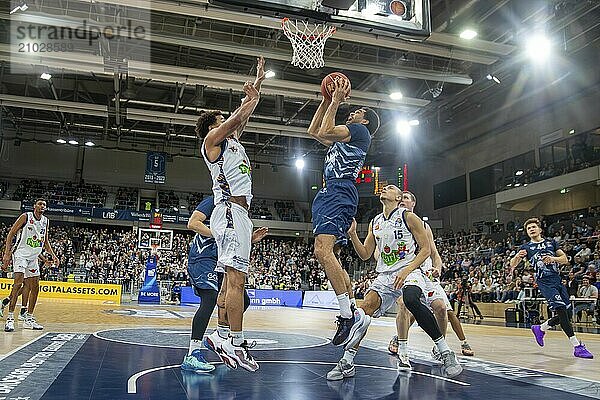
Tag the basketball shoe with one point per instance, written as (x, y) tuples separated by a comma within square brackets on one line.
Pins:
[(581, 352), (196, 362), (451, 367), (3, 305), (10, 324), (393, 346), (359, 329), (212, 343), (238, 355), (343, 369), (31, 323), (539, 334), (346, 327), (403, 363)]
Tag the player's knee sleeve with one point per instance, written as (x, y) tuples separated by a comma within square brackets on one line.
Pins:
[(423, 315), (412, 297), (246, 300)]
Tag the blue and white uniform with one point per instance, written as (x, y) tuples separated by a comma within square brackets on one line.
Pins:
[(335, 205), (202, 258), (547, 275)]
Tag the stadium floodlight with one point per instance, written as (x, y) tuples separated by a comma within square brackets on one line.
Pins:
[(270, 74), (89, 143), (46, 76), (425, 218), (61, 141), (300, 163), (403, 128), (414, 122), (519, 172), (468, 34), (396, 96), (73, 142), (539, 48)]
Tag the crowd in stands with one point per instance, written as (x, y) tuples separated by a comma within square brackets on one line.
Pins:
[(260, 210), (287, 211), (126, 199), (3, 189), (168, 201), (61, 193), (193, 200)]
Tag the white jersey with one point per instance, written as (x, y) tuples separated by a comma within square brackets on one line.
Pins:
[(231, 172), (394, 240), (31, 238)]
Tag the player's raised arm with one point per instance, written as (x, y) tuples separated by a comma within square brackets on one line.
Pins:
[(315, 124), (219, 134), (364, 251), (260, 77), (329, 130)]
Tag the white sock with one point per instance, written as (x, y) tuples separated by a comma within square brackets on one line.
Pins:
[(223, 331), (545, 326), (574, 341), (402, 346), (344, 301), (10, 315), (442, 346), (195, 344), (349, 355), (237, 338), (353, 301)]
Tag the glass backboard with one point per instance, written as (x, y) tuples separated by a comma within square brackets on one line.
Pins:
[(409, 19)]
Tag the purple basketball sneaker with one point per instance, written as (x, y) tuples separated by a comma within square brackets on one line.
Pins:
[(539, 334), (581, 352)]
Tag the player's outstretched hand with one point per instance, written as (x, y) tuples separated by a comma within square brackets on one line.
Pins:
[(340, 93), (522, 253), (260, 68), (251, 91), (400, 278), (6, 261), (352, 229), (259, 234)]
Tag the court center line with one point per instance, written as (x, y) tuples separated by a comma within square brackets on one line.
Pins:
[(132, 381)]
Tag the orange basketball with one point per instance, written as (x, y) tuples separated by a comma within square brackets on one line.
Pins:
[(397, 8), (328, 86)]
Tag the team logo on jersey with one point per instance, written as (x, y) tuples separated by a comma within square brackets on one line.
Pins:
[(233, 149), (430, 294), (31, 221), (33, 270), (391, 256), (34, 242), (398, 221)]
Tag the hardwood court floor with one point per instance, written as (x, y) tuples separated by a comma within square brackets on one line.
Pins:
[(512, 346)]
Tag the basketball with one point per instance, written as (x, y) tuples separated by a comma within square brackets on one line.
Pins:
[(328, 86), (397, 8)]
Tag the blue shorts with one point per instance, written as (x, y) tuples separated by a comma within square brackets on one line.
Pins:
[(334, 207), (202, 273), (554, 291)]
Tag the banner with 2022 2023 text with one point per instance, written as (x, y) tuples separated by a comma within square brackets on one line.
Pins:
[(71, 290)]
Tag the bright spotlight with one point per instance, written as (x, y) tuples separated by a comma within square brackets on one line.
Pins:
[(61, 141), (299, 163), (396, 95), (425, 218), (89, 143), (403, 128), (519, 172), (73, 142), (468, 34), (45, 76), (413, 122), (270, 74), (538, 48)]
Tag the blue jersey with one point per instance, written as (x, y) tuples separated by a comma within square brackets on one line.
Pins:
[(201, 247), (535, 253), (345, 160)]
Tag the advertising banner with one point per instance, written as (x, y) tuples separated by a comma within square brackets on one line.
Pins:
[(321, 299), (71, 290)]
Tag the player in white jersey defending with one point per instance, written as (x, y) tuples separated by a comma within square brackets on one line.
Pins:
[(436, 299), (401, 237), (231, 226), (31, 230)]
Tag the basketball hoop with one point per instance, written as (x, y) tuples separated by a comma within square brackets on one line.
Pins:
[(308, 42)]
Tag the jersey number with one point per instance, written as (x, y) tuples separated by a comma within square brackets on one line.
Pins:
[(397, 235)]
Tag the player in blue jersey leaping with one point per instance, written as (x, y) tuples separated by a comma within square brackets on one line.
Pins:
[(335, 205)]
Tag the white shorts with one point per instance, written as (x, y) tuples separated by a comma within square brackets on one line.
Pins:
[(27, 266), (232, 229), (383, 285), (438, 293)]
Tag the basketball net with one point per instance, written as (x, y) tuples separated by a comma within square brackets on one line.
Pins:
[(308, 42)]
